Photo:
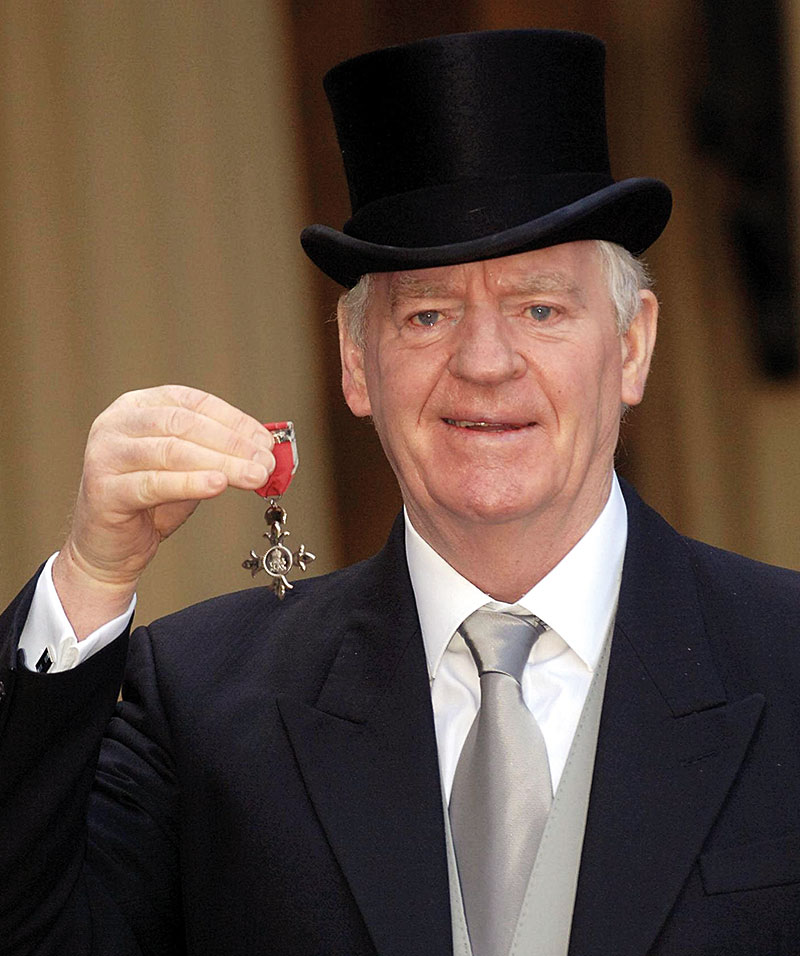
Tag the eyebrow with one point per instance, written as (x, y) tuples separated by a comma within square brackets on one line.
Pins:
[(546, 282), (404, 286)]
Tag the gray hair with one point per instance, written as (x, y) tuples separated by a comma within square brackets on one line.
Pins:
[(353, 308), (625, 275)]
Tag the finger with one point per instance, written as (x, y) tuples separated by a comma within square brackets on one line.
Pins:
[(171, 454), (190, 426), (202, 404), (139, 491)]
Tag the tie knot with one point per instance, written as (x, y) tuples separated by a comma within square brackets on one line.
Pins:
[(501, 641)]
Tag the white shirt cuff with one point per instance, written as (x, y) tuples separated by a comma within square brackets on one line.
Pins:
[(48, 635)]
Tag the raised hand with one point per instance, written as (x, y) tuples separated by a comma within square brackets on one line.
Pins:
[(150, 458)]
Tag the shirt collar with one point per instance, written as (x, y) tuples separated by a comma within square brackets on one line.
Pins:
[(593, 568)]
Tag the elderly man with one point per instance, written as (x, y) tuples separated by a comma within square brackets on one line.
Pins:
[(539, 721)]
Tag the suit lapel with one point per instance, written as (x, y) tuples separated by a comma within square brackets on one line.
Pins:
[(367, 753), (671, 742), (669, 749)]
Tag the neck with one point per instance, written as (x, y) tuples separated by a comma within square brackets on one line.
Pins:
[(506, 559)]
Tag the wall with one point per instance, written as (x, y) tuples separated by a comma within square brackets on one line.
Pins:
[(151, 206), (154, 173)]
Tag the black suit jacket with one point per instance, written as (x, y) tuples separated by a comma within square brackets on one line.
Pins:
[(270, 785)]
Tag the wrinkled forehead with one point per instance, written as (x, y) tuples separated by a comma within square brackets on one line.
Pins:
[(405, 286), (572, 269)]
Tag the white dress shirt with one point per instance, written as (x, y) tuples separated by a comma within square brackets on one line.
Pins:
[(578, 601), (47, 629)]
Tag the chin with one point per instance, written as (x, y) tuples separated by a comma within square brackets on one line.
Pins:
[(495, 505)]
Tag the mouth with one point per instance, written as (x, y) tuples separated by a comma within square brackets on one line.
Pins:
[(486, 426)]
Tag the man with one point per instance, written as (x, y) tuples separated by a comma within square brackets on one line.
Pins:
[(303, 777)]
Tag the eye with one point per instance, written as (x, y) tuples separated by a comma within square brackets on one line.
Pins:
[(541, 313), (427, 318)]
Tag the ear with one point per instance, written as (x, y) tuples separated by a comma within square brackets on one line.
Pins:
[(354, 380), (637, 349)]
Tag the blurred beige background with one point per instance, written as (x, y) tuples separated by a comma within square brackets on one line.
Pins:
[(157, 161), (152, 203)]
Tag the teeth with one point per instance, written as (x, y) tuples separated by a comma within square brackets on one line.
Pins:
[(497, 426)]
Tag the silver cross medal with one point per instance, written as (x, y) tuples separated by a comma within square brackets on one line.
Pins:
[(278, 560)]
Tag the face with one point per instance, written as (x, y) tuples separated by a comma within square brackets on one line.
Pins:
[(496, 386)]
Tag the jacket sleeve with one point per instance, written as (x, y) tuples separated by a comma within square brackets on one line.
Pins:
[(87, 848)]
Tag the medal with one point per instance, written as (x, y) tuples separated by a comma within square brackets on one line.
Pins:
[(278, 560)]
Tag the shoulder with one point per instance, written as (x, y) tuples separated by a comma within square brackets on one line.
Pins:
[(652, 539), (251, 631), (257, 605), (744, 579), (750, 610)]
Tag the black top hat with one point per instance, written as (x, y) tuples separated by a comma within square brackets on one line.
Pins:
[(474, 146)]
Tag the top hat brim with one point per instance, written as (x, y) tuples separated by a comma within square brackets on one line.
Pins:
[(631, 213)]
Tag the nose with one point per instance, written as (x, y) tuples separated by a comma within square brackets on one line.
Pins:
[(484, 351)]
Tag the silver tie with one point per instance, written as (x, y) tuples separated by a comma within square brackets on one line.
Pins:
[(502, 790)]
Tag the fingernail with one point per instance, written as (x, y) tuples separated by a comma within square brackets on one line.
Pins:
[(255, 473), (264, 438), (266, 458)]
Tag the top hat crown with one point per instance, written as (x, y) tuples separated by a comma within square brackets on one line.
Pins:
[(473, 146)]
